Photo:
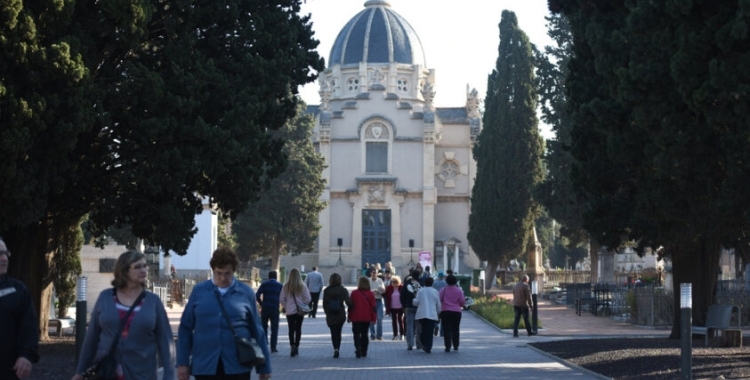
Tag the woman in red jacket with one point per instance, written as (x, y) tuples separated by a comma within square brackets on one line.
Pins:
[(361, 315), (394, 308)]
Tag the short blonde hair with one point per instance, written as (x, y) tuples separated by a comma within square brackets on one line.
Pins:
[(396, 279)]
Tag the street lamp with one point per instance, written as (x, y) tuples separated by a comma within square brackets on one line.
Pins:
[(686, 334), (340, 263), (411, 253), (534, 304)]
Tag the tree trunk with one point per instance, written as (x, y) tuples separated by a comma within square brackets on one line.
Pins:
[(491, 274), (697, 264), (34, 249)]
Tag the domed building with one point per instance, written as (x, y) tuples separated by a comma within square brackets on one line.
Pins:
[(399, 170)]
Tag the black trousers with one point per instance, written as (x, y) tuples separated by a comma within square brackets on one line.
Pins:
[(361, 339), (336, 334), (521, 311), (314, 297), (220, 375), (294, 322), (268, 314), (450, 321)]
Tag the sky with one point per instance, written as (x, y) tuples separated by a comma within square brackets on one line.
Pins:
[(460, 38)]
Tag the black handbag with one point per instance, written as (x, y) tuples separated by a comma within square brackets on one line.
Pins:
[(105, 367), (249, 352)]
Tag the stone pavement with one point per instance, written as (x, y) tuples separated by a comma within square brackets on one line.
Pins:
[(485, 351)]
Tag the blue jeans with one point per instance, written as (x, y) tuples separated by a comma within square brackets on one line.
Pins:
[(410, 314), (271, 314), (379, 310)]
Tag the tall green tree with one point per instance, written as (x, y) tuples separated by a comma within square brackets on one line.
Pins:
[(285, 218), (133, 111), (67, 268), (556, 192), (508, 153), (659, 97)]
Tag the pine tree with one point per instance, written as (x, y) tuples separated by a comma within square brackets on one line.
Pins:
[(508, 153), (284, 220)]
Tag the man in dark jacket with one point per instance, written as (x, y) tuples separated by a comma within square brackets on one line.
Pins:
[(408, 292), (268, 298), (20, 327), (522, 305)]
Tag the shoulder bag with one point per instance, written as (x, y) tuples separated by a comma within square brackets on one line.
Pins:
[(104, 368), (302, 308), (249, 352)]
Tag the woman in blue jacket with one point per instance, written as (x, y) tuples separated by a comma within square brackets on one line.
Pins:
[(205, 344)]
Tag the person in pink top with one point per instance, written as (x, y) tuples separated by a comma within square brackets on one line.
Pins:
[(452, 301), (394, 308)]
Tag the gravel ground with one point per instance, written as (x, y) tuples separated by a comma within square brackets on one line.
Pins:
[(650, 358), (620, 359)]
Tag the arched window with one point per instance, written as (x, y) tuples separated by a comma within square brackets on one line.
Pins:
[(377, 140)]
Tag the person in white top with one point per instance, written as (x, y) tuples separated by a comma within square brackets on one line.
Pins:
[(378, 288), (427, 302), (314, 282)]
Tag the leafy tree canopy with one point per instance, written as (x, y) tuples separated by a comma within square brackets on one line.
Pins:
[(285, 218), (660, 134), (133, 111)]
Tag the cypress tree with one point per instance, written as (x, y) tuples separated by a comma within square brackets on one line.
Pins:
[(508, 153)]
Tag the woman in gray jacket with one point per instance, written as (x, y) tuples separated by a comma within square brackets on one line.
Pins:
[(146, 333)]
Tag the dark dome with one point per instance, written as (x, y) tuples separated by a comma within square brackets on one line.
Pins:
[(377, 35)]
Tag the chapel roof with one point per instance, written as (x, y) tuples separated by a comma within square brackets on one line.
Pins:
[(377, 35)]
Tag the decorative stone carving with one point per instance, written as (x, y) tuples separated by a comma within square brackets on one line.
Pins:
[(428, 92), (376, 194), (325, 94), (376, 77), (377, 131), (472, 103), (449, 168)]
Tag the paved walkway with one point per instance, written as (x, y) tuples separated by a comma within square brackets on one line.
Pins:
[(486, 352)]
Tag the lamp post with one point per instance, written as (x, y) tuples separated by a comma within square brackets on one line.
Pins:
[(340, 262), (534, 303), (686, 333), (81, 307)]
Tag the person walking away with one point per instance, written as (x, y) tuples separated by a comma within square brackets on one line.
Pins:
[(378, 288), (362, 315), (408, 292), (20, 332), (335, 302), (428, 312), (294, 293), (314, 282), (132, 320), (206, 347), (268, 297), (452, 301), (394, 308), (437, 285), (522, 305)]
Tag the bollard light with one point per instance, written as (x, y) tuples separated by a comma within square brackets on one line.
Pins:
[(81, 286), (535, 304), (686, 331), (686, 296), (81, 306)]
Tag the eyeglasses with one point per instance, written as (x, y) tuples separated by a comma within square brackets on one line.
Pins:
[(139, 266), (7, 253)]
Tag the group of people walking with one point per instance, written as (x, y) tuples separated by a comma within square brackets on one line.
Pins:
[(129, 325)]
